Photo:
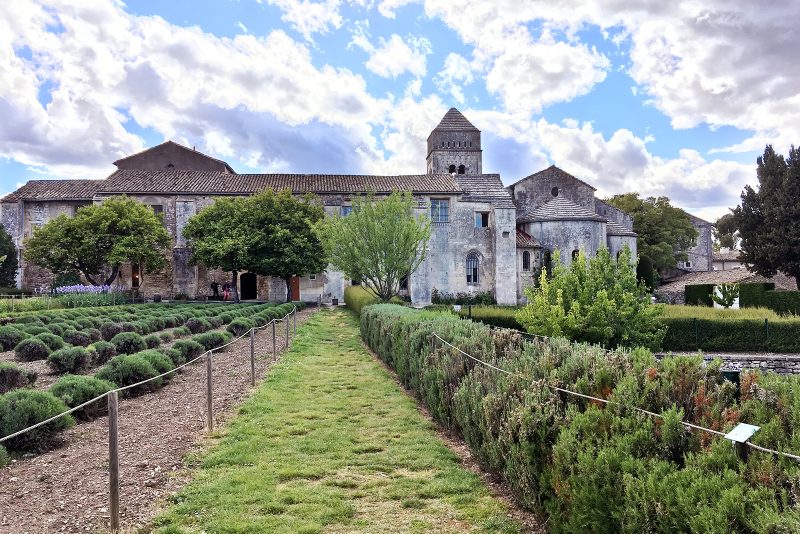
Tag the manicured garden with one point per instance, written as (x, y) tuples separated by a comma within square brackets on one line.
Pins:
[(330, 443), (596, 467)]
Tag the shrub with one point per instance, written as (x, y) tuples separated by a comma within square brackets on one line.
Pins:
[(74, 390), (212, 340), (698, 294), (175, 355), (70, 360), (189, 348), (10, 337), (57, 328), (783, 302), (109, 330), (752, 295), (215, 322), (160, 361), (94, 334), (34, 330), (237, 327), (128, 343), (125, 370), (52, 341), (13, 377), (77, 339), (356, 298), (103, 351), (477, 299), (196, 326), (152, 341), (181, 331), (5, 459), (500, 316), (31, 349), (165, 337), (22, 408)]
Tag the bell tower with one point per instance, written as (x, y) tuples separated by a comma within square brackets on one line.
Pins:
[(454, 146)]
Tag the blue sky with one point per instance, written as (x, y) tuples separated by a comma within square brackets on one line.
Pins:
[(674, 101)]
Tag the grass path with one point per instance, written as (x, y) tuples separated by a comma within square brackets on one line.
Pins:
[(329, 443)]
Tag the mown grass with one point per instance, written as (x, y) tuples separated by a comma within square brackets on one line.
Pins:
[(330, 443)]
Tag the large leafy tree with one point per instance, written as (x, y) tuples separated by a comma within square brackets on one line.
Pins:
[(8, 260), (285, 243), (269, 234), (379, 243), (665, 232), (726, 232), (767, 218), (99, 239), (598, 301)]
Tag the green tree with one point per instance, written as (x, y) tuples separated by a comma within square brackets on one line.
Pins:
[(598, 301), (379, 243), (285, 242), (101, 237), (8, 264), (725, 232), (767, 218), (725, 295), (665, 232)]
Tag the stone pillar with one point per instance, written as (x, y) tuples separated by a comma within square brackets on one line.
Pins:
[(419, 283), (505, 262)]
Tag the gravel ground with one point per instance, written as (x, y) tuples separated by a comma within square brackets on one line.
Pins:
[(66, 489)]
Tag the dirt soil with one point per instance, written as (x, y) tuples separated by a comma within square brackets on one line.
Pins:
[(66, 489)]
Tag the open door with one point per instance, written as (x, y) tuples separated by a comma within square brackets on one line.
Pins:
[(294, 284), (249, 288)]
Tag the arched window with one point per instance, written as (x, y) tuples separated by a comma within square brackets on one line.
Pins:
[(526, 261), (554, 191), (170, 166), (575, 254), (452, 169), (472, 269), (461, 169)]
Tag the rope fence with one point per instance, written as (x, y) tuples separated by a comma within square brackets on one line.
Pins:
[(435, 336), (112, 399)]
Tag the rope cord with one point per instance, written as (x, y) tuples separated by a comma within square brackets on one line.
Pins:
[(606, 401), (162, 375)]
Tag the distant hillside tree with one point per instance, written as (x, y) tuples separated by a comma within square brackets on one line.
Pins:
[(100, 238), (378, 243), (9, 264), (665, 232), (726, 232), (767, 218)]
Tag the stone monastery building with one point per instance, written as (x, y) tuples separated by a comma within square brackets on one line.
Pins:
[(485, 236)]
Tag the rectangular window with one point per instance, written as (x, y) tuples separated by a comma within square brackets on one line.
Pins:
[(481, 219), (472, 270), (312, 276), (440, 210), (158, 209), (344, 211)]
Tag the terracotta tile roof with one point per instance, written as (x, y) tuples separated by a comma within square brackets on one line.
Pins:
[(526, 241), (55, 190), (551, 171), (485, 188), (731, 255), (454, 120), (614, 228), (205, 182), (560, 209), (730, 276), (178, 145)]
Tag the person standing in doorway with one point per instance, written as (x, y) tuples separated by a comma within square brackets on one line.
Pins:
[(226, 291), (215, 290)]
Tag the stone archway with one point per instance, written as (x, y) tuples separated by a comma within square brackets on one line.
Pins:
[(248, 286)]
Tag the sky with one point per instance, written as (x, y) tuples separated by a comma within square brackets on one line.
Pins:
[(662, 98)]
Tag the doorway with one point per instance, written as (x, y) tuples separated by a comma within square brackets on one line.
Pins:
[(249, 287), (294, 285)]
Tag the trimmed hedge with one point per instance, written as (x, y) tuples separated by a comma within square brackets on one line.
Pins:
[(783, 302), (128, 343), (593, 468), (52, 341), (212, 340), (10, 337), (188, 348), (239, 326), (699, 294), (74, 390), (22, 408), (752, 295), (31, 349), (500, 316), (126, 369), (103, 350), (735, 335), (356, 298), (161, 362), (70, 360), (13, 376)]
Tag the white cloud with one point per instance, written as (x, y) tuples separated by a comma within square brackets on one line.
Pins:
[(456, 74), (387, 8), (393, 56), (308, 17), (241, 26)]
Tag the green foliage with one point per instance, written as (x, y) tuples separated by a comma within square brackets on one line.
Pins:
[(128, 343), (153, 341), (731, 334), (598, 301), (196, 326), (379, 243), (8, 259), (698, 294), (356, 297), (767, 218), (752, 295), (665, 232), (10, 337), (188, 348), (165, 337), (118, 231), (22, 408), (52, 341), (212, 340), (5, 459), (160, 361), (76, 338), (783, 302), (500, 316), (125, 370), (646, 272), (175, 356), (725, 295), (70, 360), (69, 278), (31, 349), (103, 351), (13, 376), (725, 231), (88, 300), (484, 298), (74, 390), (109, 330), (239, 326), (594, 467)]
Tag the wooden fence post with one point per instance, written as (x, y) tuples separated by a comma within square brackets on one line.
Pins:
[(209, 393), (113, 460), (287, 333), (252, 357), (274, 343), (294, 322)]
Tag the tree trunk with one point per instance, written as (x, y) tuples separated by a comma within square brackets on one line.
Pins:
[(288, 282), (111, 277), (235, 286)]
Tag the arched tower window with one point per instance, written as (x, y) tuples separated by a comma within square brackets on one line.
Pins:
[(452, 169), (472, 268), (554, 191), (461, 169), (526, 261)]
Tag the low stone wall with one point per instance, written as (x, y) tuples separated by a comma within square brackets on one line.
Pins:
[(777, 363)]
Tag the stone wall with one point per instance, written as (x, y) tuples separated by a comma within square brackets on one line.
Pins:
[(763, 362), (566, 236), (616, 243), (447, 148), (612, 213), (701, 255), (169, 156), (530, 193)]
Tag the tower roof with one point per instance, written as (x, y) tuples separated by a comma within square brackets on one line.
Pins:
[(454, 120)]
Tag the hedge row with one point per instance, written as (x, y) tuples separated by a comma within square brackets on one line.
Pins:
[(356, 297), (735, 335), (698, 294), (594, 468)]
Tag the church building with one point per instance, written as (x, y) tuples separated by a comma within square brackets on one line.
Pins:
[(485, 237)]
